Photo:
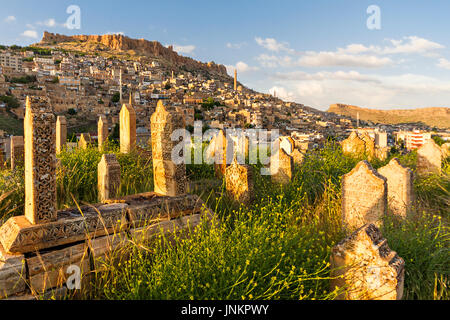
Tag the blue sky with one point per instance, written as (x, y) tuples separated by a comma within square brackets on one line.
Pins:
[(312, 52)]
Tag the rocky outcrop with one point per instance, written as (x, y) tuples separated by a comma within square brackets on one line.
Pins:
[(140, 46), (439, 117)]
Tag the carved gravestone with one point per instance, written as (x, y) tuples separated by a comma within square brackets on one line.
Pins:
[(85, 141), (108, 177), (102, 131), (169, 177), (2, 160), (287, 144), (364, 196), (127, 128), (17, 152), (40, 162), (281, 166), (239, 182), (220, 154), (61, 133), (429, 158), (365, 268), (400, 187)]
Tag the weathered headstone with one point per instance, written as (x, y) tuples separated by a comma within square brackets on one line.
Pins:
[(61, 133), (127, 128), (85, 141), (353, 145), (445, 150), (429, 158), (2, 160), (108, 177), (297, 156), (365, 268), (17, 152), (220, 154), (169, 177), (400, 187), (102, 131), (281, 166), (239, 182), (364, 196), (287, 144), (369, 145), (40, 162)]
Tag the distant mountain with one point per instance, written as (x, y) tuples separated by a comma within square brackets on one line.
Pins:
[(120, 45), (433, 117)]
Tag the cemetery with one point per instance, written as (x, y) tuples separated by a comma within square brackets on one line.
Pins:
[(342, 222)]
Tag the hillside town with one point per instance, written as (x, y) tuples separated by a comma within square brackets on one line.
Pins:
[(82, 87)]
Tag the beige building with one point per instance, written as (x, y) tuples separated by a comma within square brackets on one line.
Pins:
[(11, 61)]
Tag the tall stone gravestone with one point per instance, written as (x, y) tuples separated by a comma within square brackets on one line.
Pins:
[(40, 162), (169, 177), (108, 177), (365, 268), (61, 133), (429, 158), (364, 196), (17, 152), (220, 153), (400, 187), (102, 131), (127, 128)]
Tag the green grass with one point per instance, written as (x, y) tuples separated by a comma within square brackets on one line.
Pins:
[(276, 248), (10, 124)]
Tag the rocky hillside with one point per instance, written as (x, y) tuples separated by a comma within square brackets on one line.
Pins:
[(434, 117), (117, 44)]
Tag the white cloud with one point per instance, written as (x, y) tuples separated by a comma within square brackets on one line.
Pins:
[(48, 23), (444, 63), (112, 33), (30, 34), (235, 45), (274, 61), (272, 44), (241, 67), (282, 93), (10, 19), (329, 58), (189, 49)]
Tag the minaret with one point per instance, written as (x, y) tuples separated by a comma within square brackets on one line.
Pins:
[(235, 79), (172, 74), (120, 85), (131, 98)]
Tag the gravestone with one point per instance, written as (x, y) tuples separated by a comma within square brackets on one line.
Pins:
[(429, 158), (297, 156), (365, 268), (85, 141), (108, 177), (239, 182), (287, 144), (369, 145), (102, 131), (61, 133), (2, 160), (40, 162), (400, 187), (353, 145), (127, 128), (220, 154), (169, 177), (364, 196), (281, 166), (17, 152), (445, 150)]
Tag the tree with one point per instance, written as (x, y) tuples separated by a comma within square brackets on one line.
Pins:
[(439, 141), (72, 112), (116, 97), (167, 86)]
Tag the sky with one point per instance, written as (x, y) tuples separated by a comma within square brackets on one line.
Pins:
[(380, 54)]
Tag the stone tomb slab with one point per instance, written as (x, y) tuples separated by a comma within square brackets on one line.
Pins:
[(18, 235)]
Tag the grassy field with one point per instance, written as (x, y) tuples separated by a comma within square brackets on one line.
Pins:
[(277, 248)]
